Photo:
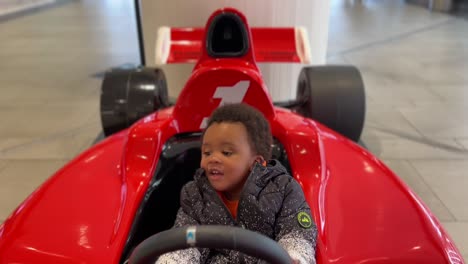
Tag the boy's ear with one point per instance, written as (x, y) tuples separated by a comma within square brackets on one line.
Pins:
[(260, 160)]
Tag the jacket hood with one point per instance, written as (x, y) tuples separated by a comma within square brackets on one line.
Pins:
[(263, 174)]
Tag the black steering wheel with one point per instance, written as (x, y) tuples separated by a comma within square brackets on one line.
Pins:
[(220, 237)]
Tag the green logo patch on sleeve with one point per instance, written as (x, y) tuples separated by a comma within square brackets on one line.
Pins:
[(304, 219)]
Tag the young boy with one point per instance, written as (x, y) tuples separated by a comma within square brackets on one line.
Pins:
[(236, 186)]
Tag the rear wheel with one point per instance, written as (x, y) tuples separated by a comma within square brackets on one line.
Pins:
[(333, 96), (130, 94)]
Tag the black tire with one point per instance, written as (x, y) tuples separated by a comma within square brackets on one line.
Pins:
[(333, 96), (127, 95)]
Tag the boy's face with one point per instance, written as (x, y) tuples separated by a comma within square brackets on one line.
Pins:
[(227, 157)]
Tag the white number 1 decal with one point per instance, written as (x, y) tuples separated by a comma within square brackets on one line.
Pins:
[(229, 95)]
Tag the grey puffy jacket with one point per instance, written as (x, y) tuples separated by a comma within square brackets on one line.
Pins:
[(270, 203)]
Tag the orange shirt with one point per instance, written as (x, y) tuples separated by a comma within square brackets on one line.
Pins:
[(231, 205)]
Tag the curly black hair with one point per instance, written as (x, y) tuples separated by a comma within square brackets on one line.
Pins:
[(258, 128)]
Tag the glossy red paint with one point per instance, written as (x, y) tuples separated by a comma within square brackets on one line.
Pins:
[(185, 44), (364, 213), (271, 44)]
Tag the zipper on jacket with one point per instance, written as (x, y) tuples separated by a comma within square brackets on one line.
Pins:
[(236, 223), (234, 220), (249, 179), (247, 182), (202, 184)]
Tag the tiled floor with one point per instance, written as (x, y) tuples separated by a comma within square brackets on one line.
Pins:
[(49, 103), (414, 63)]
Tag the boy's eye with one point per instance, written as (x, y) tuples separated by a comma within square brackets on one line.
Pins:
[(227, 153), (206, 153)]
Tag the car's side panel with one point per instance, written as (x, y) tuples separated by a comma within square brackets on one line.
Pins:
[(363, 211), (71, 217), (140, 156), (370, 214), (83, 213)]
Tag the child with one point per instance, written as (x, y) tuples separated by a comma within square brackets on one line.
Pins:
[(236, 186)]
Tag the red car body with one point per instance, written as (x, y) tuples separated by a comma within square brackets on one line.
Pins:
[(363, 211)]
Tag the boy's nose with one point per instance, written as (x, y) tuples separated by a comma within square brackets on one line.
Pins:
[(214, 159)]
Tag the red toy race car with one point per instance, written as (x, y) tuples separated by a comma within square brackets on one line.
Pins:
[(105, 202)]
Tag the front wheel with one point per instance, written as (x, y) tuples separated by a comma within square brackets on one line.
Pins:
[(333, 96), (130, 94)]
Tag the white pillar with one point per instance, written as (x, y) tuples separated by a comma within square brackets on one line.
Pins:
[(281, 79)]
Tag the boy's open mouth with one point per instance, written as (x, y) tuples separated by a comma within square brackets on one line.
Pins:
[(215, 173)]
